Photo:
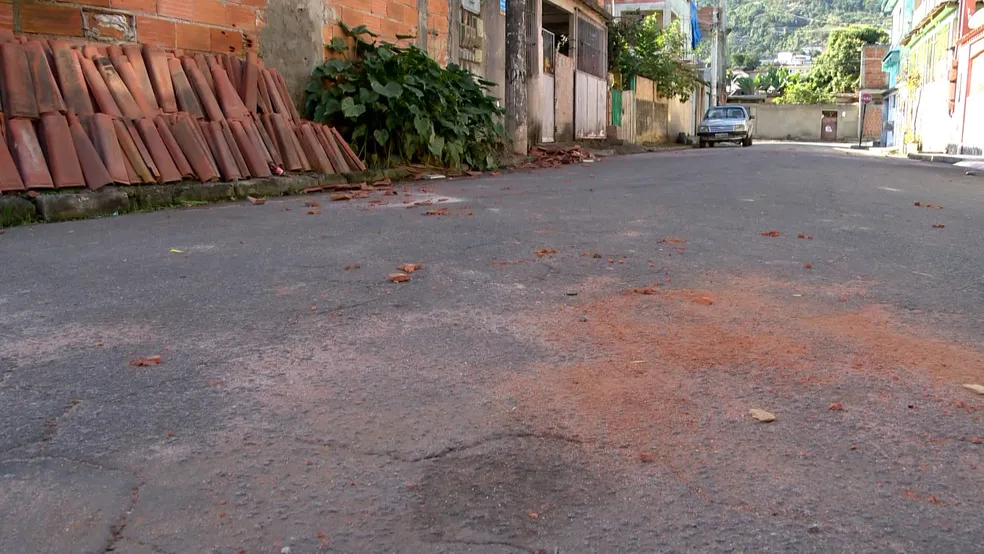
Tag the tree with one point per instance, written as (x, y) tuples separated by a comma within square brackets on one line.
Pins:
[(748, 62), (802, 89), (773, 81), (838, 68), (746, 85), (639, 47)]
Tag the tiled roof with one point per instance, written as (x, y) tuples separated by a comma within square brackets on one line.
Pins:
[(78, 114)]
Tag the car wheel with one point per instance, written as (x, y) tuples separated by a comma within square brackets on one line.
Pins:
[(710, 144), (701, 144), (747, 142)]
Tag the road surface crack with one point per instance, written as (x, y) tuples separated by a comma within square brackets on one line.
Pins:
[(116, 533), (514, 546), (403, 457), (492, 438), (51, 426)]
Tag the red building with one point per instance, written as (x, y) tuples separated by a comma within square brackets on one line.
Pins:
[(968, 93)]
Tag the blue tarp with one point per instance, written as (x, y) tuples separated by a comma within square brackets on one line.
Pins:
[(694, 26)]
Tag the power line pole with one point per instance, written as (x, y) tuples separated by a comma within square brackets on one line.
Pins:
[(724, 45), (516, 75), (715, 55)]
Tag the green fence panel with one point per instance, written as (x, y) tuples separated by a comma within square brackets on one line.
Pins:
[(616, 107)]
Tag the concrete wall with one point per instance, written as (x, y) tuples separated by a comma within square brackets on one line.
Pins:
[(680, 117), (292, 40), (651, 113), (802, 121), (564, 93)]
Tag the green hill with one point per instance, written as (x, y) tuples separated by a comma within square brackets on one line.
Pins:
[(761, 28)]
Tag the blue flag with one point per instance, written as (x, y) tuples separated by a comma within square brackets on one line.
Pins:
[(694, 26)]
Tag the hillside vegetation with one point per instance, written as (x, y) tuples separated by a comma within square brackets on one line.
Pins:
[(761, 28)]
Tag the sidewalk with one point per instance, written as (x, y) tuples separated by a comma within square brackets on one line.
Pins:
[(972, 162)]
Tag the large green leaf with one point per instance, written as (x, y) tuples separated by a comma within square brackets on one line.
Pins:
[(337, 44), (336, 67), (423, 126), (367, 96), (331, 105), (351, 109), (382, 136), (385, 53), (391, 89), (436, 145)]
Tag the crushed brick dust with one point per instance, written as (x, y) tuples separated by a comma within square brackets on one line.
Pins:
[(649, 362)]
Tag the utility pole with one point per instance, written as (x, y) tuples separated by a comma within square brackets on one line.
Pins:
[(724, 44), (715, 55), (516, 75)]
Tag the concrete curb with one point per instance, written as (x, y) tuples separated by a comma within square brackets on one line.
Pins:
[(937, 158), (115, 200), (15, 210)]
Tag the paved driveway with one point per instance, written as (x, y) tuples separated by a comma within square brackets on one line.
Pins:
[(571, 370)]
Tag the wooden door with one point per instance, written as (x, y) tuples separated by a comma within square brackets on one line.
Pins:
[(828, 126)]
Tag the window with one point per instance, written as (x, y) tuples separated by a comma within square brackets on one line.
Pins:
[(725, 113), (592, 46)]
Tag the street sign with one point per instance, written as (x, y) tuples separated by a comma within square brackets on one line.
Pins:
[(866, 98)]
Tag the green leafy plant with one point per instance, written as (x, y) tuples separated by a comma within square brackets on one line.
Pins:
[(746, 85), (803, 89), (396, 104), (838, 68), (638, 46)]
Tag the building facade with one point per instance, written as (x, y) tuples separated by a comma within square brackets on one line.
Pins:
[(682, 116), (567, 97), (928, 76), (892, 114), (969, 94)]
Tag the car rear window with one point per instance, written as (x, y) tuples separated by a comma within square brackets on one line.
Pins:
[(725, 113)]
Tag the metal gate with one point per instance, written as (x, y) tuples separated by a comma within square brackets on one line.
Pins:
[(547, 93), (590, 84), (628, 131), (828, 126)]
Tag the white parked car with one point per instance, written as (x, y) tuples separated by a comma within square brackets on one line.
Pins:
[(726, 124)]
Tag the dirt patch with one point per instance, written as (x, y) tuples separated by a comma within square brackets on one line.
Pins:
[(505, 492), (657, 368)]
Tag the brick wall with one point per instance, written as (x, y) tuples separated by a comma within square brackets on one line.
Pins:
[(227, 26), (872, 75), (872, 122), (392, 18)]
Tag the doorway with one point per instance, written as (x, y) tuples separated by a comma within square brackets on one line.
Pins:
[(547, 86), (828, 125)]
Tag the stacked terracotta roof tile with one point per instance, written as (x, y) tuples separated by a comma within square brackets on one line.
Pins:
[(83, 115)]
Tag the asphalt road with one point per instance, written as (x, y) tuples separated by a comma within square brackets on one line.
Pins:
[(516, 395)]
